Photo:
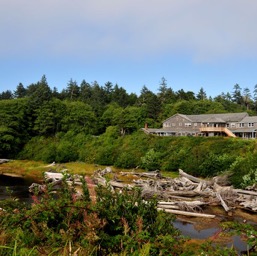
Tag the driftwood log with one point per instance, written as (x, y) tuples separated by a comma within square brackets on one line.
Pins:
[(2, 161)]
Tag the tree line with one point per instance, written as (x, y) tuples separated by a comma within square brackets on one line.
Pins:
[(92, 109)]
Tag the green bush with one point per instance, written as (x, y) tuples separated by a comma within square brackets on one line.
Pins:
[(115, 223), (241, 167), (151, 160), (126, 160)]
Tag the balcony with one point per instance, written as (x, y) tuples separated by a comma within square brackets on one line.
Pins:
[(218, 129)]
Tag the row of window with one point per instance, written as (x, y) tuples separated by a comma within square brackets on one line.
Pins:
[(239, 125)]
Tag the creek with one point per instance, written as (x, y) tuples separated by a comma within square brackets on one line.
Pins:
[(18, 187)]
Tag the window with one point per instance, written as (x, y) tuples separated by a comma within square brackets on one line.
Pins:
[(241, 125), (227, 125), (195, 124), (233, 125), (250, 124), (188, 124)]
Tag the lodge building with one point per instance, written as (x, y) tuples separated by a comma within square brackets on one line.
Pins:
[(229, 124)]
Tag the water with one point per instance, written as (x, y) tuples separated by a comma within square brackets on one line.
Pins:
[(188, 229), (15, 187)]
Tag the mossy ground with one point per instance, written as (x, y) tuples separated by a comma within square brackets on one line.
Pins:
[(35, 169)]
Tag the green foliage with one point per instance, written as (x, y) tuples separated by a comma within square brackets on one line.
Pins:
[(79, 118), (151, 160), (13, 132), (198, 156), (115, 223), (215, 164), (243, 168), (49, 117), (250, 178)]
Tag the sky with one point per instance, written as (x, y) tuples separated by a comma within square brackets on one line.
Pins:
[(134, 43)]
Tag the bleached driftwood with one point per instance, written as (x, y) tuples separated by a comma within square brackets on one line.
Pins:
[(154, 174), (2, 161), (192, 203), (179, 195), (182, 205), (103, 172), (224, 205), (251, 204), (116, 184), (53, 175), (185, 213), (246, 192), (50, 165), (190, 177)]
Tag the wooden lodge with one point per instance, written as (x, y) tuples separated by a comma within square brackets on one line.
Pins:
[(228, 124)]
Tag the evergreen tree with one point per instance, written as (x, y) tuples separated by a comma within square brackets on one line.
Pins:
[(255, 96), (108, 92), (73, 90), (49, 117), (20, 91), (166, 94), (201, 94), (237, 95), (246, 97), (120, 96), (39, 92), (182, 95), (85, 91), (6, 95), (150, 103)]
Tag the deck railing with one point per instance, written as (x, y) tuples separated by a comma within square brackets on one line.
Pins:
[(218, 129)]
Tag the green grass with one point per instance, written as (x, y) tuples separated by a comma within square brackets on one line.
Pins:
[(35, 169)]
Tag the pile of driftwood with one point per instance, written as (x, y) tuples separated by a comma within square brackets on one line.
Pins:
[(55, 180), (185, 195)]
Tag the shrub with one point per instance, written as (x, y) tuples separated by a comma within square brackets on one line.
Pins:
[(151, 160), (60, 223)]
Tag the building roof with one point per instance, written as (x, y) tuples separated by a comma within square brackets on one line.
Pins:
[(224, 118), (213, 119), (249, 119)]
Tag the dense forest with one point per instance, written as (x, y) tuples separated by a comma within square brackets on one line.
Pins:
[(101, 124)]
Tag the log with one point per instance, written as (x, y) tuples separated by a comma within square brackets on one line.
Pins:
[(164, 207), (154, 174), (192, 214), (50, 165), (53, 175), (219, 189), (224, 205), (190, 177), (192, 203), (250, 205), (2, 161), (104, 171), (246, 192), (116, 184), (191, 193)]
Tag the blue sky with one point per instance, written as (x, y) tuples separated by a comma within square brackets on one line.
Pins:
[(192, 43)]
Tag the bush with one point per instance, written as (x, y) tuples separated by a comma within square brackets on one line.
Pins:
[(116, 223), (150, 161)]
